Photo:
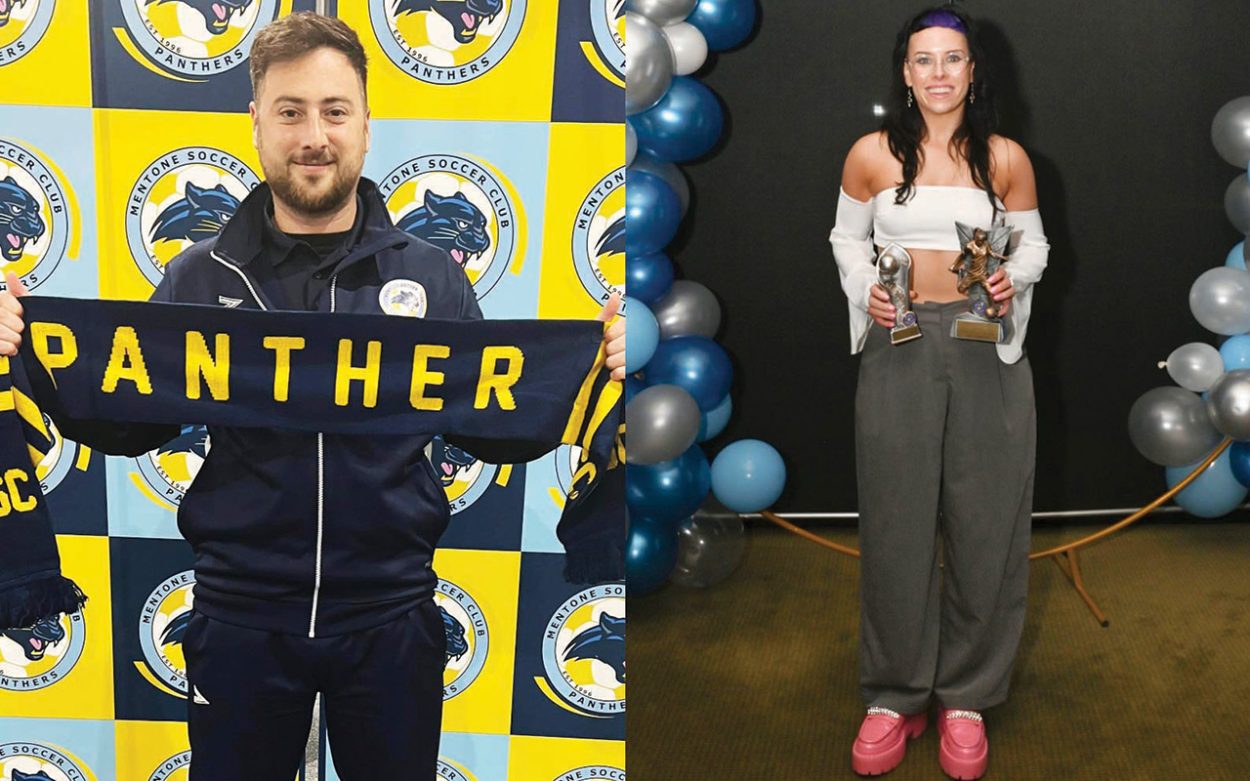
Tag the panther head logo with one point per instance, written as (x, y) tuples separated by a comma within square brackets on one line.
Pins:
[(193, 439), (20, 222), (6, 8), (605, 642), (464, 16), (17, 774), (199, 214), (457, 645), (451, 223), (216, 13), (35, 640), (612, 242), (176, 628), (449, 461)]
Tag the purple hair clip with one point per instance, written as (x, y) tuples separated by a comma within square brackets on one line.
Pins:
[(943, 18)]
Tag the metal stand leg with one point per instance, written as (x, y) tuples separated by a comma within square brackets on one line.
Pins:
[(1071, 568)]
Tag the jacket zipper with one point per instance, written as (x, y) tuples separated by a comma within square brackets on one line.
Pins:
[(321, 500), (312, 618)]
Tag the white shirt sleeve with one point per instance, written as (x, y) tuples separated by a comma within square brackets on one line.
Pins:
[(853, 251), (1027, 254)]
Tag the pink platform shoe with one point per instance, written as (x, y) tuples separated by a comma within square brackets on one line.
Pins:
[(882, 740), (963, 751)]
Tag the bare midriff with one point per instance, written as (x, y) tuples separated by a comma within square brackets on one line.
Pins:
[(931, 277)]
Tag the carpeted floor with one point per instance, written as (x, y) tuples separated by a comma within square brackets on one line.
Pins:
[(755, 678)]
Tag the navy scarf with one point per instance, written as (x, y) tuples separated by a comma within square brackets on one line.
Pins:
[(537, 382)]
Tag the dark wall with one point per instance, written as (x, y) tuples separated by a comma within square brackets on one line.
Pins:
[(1113, 101)]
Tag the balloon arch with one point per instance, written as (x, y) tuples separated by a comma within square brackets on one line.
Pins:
[(678, 392)]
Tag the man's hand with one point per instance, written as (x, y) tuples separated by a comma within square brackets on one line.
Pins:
[(11, 325), (880, 308), (613, 336)]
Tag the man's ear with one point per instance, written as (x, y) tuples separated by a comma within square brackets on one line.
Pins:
[(368, 131), (251, 112)]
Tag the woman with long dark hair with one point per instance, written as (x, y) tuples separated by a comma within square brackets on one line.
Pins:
[(945, 427)]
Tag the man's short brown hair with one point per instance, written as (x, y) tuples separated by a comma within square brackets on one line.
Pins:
[(297, 34)]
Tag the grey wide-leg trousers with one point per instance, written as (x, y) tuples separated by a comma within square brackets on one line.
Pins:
[(945, 435)]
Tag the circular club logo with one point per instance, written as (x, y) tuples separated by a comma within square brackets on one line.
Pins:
[(162, 625), (176, 768), (460, 205), (449, 772), (464, 478), (584, 651), (60, 458), (196, 38), (593, 773), (22, 25), (468, 637), (34, 214), (607, 20), (39, 656), (182, 197), (39, 762), (404, 298), (599, 238), (441, 42), (170, 469)]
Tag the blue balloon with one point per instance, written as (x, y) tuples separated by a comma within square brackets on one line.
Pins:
[(669, 490), (1239, 461), (1237, 256), (1236, 352), (652, 213), (714, 420), (648, 277), (724, 23), (1214, 493), (650, 553), (685, 124), (748, 476), (642, 334), (695, 364), (633, 385)]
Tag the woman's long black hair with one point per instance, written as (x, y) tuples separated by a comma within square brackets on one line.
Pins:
[(905, 126)]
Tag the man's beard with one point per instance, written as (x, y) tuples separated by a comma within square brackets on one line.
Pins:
[(298, 197)]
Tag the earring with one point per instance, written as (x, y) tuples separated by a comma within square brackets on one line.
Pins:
[(972, 93), (909, 98)]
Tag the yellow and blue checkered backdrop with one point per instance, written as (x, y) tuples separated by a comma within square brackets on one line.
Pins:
[(110, 110)]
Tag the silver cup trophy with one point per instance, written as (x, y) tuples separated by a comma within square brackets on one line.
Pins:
[(894, 276), (983, 252)]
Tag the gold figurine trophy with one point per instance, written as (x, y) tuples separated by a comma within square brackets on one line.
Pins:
[(983, 252), (894, 276)]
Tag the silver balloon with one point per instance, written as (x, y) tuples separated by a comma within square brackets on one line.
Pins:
[(670, 173), (689, 47), (688, 308), (709, 549), (1230, 131), (663, 421), (648, 63), (1170, 426), (1195, 366), (662, 12), (1220, 300), (631, 143), (1229, 404), (1237, 203)]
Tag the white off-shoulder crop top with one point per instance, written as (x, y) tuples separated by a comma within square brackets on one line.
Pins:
[(927, 219)]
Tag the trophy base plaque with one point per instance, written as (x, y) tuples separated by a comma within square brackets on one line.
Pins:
[(904, 333), (977, 329)]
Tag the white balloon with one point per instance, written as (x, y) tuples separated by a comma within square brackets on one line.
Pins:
[(688, 45), (631, 143)]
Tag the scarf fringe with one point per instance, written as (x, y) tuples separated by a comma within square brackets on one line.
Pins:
[(26, 604)]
